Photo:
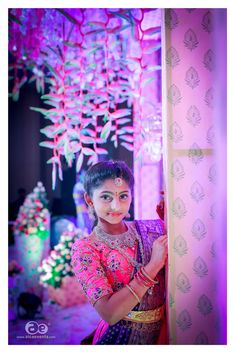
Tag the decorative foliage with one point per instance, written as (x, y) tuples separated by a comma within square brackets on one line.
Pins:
[(209, 97), (177, 170), (197, 192), (201, 339), (204, 305), (94, 76), (195, 154), (193, 116), (175, 132), (57, 264), (190, 39), (32, 218), (209, 60), (198, 229), (174, 95), (179, 209), (180, 246), (183, 283), (200, 267), (172, 57), (184, 320), (192, 77)]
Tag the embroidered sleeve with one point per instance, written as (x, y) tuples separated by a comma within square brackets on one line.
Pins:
[(89, 271)]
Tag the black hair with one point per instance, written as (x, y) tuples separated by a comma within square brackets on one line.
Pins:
[(101, 171)]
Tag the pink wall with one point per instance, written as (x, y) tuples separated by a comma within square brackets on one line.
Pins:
[(194, 143)]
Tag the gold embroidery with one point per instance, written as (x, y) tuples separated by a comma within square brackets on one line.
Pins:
[(147, 316)]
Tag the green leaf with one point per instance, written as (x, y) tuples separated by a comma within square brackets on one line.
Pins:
[(48, 144), (147, 81), (69, 155), (87, 139), (55, 52), (106, 130), (96, 23), (15, 95), (60, 172), (100, 150), (79, 162), (92, 50), (53, 176), (123, 121), (153, 68), (152, 30), (96, 31), (127, 138), (53, 160), (120, 113), (117, 30), (128, 128), (23, 81), (68, 16), (121, 15), (87, 151), (53, 96), (150, 48), (39, 110), (52, 70), (71, 45), (128, 146)]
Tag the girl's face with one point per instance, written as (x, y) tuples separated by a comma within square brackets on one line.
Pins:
[(111, 201)]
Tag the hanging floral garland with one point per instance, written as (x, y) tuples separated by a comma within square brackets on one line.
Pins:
[(95, 80)]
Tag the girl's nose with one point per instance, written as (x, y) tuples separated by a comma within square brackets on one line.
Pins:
[(115, 205)]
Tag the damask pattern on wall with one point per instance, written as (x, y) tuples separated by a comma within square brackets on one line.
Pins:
[(191, 175)]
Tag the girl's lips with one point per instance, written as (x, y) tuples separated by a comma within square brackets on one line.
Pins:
[(115, 214)]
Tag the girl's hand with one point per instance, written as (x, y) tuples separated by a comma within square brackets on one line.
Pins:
[(159, 252), (161, 206)]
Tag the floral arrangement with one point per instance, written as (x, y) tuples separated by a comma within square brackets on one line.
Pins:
[(58, 264), (14, 268), (32, 218), (95, 63)]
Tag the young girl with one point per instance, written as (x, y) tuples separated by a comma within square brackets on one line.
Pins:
[(120, 265)]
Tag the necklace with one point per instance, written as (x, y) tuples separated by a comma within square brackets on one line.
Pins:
[(120, 242)]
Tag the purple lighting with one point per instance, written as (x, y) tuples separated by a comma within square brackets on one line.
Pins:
[(95, 63)]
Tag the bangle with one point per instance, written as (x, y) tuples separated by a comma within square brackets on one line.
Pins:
[(133, 292), (146, 275), (144, 281), (140, 281)]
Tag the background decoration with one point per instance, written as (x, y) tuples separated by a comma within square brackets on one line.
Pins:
[(91, 67), (57, 264), (32, 228), (33, 215), (194, 101), (57, 274)]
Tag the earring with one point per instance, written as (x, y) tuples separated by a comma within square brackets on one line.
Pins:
[(91, 212)]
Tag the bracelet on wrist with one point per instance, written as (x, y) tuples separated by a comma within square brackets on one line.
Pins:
[(133, 292), (142, 269)]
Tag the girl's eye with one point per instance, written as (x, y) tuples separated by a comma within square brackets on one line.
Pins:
[(106, 197), (124, 197)]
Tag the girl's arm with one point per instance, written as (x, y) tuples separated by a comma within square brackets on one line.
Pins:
[(113, 308)]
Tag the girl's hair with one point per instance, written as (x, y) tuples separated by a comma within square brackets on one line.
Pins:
[(101, 171)]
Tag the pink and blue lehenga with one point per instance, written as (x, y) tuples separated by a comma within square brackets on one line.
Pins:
[(101, 271)]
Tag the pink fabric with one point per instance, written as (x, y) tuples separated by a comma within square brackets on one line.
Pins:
[(101, 328), (99, 269)]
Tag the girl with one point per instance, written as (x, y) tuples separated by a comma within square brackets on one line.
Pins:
[(120, 265)]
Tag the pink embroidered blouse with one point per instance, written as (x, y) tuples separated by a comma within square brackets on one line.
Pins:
[(99, 269)]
